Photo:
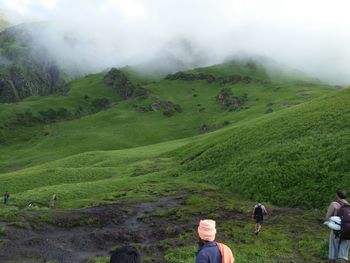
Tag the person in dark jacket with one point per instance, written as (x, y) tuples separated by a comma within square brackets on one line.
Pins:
[(208, 251), (125, 254), (6, 198)]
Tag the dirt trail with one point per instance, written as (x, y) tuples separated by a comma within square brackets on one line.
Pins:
[(80, 235)]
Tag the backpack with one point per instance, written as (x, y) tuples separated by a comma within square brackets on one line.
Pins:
[(258, 211), (226, 253), (344, 214)]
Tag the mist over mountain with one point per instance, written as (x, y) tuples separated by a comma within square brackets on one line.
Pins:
[(89, 36), (190, 104), (3, 22), (26, 69), (79, 53)]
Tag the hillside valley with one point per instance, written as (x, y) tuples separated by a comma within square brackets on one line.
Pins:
[(137, 158)]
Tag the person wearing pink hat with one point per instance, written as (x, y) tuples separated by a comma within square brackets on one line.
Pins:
[(210, 251)]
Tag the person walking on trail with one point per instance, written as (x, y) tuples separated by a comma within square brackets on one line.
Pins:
[(210, 251), (338, 247), (258, 214), (6, 198), (53, 200), (125, 254)]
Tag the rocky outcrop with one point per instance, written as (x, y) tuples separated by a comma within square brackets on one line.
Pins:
[(190, 76), (123, 86), (18, 82), (232, 79), (24, 70), (142, 108), (228, 101), (167, 107)]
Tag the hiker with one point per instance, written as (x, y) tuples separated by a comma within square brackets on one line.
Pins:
[(125, 254), (6, 198), (210, 251), (53, 200), (338, 247), (258, 214)]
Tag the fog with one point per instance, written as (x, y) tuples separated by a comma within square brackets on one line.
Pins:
[(91, 35)]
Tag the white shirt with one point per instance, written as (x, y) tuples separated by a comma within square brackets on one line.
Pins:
[(262, 206)]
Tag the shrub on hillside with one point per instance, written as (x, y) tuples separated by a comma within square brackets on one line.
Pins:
[(233, 79), (26, 118), (204, 128), (142, 108), (169, 108), (177, 108), (2, 135), (122, 85), (237, 78), (168, 112), (228, 101), (269, 110), (54, 115), (190, 76), (247, 79), (100, 104)]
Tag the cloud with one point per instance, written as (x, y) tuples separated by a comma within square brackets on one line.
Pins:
[(312, 35)]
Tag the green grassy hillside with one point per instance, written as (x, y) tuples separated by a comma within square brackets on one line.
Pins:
[(283, 142), (148, 173), (121, 125), (295, 157), (298, 155)]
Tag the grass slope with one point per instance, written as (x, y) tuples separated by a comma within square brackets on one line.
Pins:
[(294, 156), (148, 173), (122, 127)]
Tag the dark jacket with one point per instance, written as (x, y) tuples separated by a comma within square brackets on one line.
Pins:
[(209, 253)]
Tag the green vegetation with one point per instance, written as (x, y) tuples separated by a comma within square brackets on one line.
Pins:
[(118, 80), (25, 71), (122, 127), (227, 101), (3, 22), (298, 155), (100, 145)]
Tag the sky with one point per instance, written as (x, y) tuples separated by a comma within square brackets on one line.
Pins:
[(309, 35)]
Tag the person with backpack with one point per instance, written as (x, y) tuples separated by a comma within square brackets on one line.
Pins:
[(258, 214), (53, 200), (6, 198), (126, 254), (210, 251), (339, 240)]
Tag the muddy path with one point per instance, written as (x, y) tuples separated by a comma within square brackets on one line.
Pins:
[(80, 235), (153, 227)]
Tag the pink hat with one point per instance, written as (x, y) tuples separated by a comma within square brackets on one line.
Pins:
[(206, 230)]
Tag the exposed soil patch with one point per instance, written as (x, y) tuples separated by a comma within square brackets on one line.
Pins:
[(80, 235)]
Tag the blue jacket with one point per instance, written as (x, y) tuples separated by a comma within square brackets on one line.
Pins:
[(209, 253)]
